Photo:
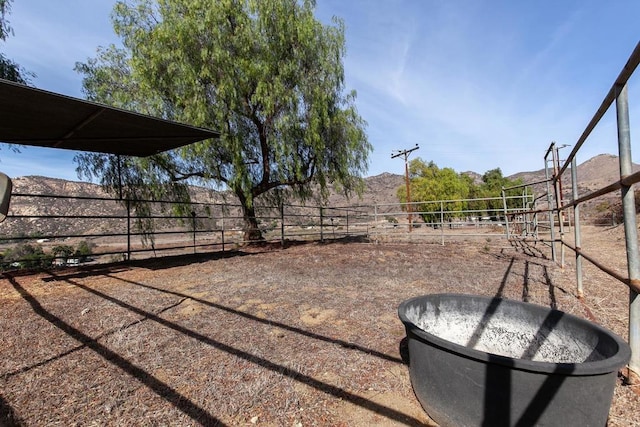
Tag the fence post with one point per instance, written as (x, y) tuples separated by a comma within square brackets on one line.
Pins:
[(193, 219), (506, 217), (576, 226), (550, 208), (347, 222), (281, 224), (558, 193), (222, 234), (630, 230), (442, 223), (321, 225), (128, 229)]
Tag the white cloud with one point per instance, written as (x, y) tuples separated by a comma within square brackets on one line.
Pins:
[(478, 84)]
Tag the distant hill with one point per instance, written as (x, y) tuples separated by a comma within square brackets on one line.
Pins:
[(595, 173)]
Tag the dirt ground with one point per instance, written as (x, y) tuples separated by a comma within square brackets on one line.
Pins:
[(302, 336)]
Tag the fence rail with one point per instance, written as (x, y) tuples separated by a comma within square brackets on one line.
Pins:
[(215, 226), (115, 231), (558, 206)]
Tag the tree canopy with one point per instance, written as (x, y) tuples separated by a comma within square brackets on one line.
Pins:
[(429, 183), (9, 70), (265, 73)]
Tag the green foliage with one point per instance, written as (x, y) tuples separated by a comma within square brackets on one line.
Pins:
[(9, 70), (27, 255), (604, 206), (265, 73), (63, 251), (83, 250), (429, 183), (5, 29), (492, 184)]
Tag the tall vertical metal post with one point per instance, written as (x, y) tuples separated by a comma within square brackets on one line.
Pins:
[(576, 226), (442, 222), (347, 222), (406, 153), (128, 229), (222, 232), (556, 184), (524, 228), (630, 230), (321, 224), (282, 238), (506, 216), (193, 223), (550, 205), (128, 205)]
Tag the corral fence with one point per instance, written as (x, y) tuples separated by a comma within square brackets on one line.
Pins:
[(115, 231), (558, 207), (59, 230), (441, 220)]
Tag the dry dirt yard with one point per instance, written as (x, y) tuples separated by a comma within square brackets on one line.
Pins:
[(302, 336)]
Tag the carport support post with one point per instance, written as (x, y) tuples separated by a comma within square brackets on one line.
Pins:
[(630, 230), (128, 203), (576, 226)]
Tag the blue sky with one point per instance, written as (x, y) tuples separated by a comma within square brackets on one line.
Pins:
[(478, 84)]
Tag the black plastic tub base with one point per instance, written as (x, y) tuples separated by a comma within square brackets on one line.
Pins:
[(478, 361)]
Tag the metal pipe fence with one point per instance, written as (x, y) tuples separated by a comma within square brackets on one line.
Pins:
[(618, 94), (112, 230)]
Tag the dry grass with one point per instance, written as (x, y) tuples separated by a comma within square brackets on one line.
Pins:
[(307, 335)]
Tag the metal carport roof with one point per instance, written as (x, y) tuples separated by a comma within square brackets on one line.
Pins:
[(31, 116)]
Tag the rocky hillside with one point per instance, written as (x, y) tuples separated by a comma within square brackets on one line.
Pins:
[(596, 172)]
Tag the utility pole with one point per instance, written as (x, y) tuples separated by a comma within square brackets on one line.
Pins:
[(405, 153)]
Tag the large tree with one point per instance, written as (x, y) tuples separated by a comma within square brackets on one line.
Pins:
[(492, 183), (266, 73), (429, 184)]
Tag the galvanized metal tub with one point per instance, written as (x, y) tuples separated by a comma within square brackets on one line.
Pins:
[(483, 361)]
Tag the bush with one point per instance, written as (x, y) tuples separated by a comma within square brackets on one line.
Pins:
[(27, 256), (83, 250)]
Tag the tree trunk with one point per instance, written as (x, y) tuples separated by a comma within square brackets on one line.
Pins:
[(251, 231)]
